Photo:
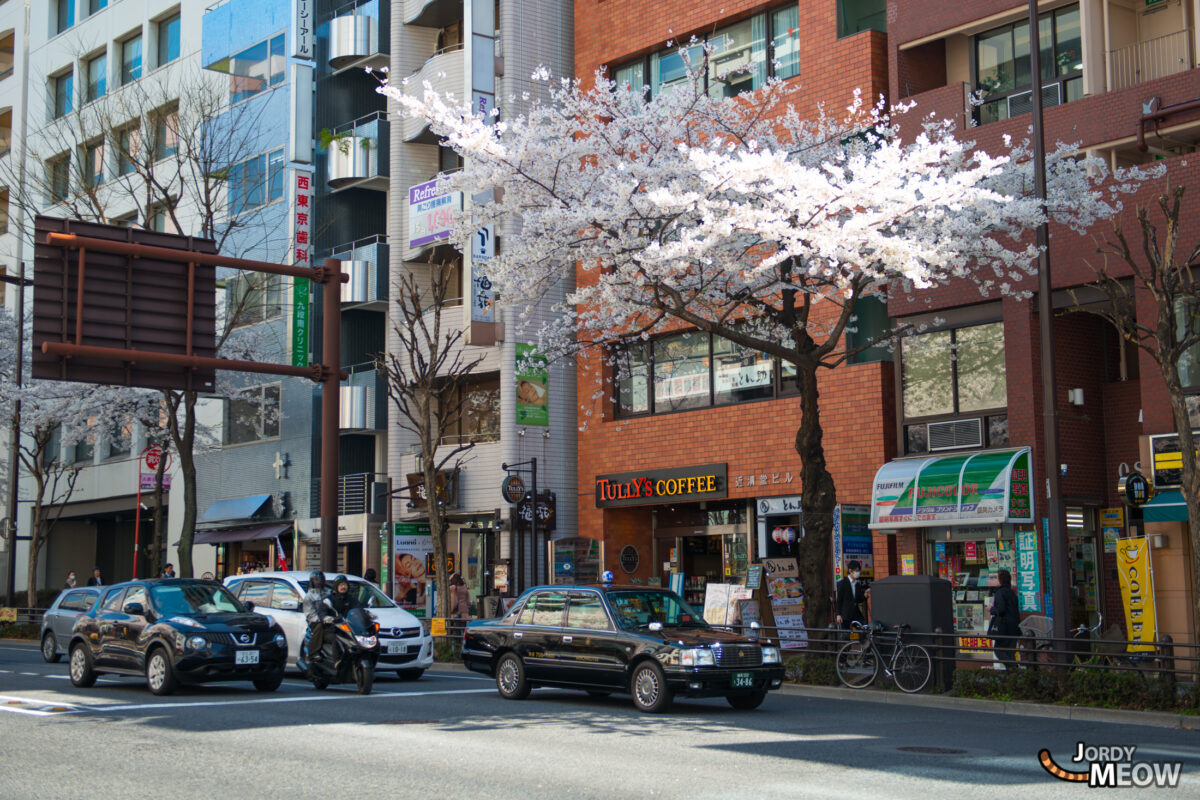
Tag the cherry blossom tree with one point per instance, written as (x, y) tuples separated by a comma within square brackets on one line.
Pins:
[(740, 218)]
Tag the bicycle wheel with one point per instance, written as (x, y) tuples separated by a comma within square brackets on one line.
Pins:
[(857, 664), (912, 668)]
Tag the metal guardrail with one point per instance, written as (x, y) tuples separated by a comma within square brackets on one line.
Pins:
[(28, 616)]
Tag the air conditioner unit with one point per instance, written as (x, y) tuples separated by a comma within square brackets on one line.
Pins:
[(955, 433), (1022, 102)]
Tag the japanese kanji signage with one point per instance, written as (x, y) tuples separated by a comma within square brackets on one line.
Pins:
[(483, 296), (301, 231), (432, 210), (303, 26), (1029, 578)]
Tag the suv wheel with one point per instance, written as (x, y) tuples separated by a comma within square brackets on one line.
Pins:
[(50, 648), (160, 674), (82, 673)]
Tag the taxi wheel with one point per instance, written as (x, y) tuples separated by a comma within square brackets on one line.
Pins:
[(50, 648), (745, 702), (649, 688), (82, 674), (510, 678), (160, 674)]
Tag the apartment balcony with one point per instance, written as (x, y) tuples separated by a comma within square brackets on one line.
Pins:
[(7, 43), (356, 153), (444, 71), (356, 37), (366, 262), (363, 405), (432, 13), (1150, 59)]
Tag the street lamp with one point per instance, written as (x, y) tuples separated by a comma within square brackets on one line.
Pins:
[(1056, 527)]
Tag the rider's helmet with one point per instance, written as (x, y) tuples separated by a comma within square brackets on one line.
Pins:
[(317, 580), (339, 580)]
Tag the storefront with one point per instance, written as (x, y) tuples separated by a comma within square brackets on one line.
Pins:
[(246, 533), (963, 518)]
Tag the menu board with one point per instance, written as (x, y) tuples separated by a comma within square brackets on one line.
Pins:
[(787, 601), (721, 603)]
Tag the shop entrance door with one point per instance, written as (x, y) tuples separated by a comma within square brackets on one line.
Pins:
[(470, 564), (1085, 587)]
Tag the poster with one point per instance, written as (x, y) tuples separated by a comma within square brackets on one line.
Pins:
[(908, 564), (532, 386), (969, 551), (852, 540), (939, 551), (787, 601), (721, 603), (412, 545)]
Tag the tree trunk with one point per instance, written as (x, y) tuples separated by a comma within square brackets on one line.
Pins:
[(184, 443), (437, 532), (156, 546), (818, 498), (35, 547)]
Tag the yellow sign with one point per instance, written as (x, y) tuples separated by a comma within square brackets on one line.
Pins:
[(1112, 517), (1137, 592), (8, 615), (437, 626), (908, 564)]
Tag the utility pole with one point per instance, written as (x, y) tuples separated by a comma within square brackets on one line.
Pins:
[(14, 447), (1055, 528)]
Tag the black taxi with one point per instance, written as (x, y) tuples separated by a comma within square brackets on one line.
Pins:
[(602, 639)]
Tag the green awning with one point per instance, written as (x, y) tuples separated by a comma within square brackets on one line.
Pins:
[(991, 486), (1168, 506)]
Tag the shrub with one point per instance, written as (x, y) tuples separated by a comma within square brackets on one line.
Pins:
[(447, 650), (19, 630), (816, 670), (1078, 686)]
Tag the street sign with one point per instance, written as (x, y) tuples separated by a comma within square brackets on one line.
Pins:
[(1135, 490), (152, 457), (513, 488)]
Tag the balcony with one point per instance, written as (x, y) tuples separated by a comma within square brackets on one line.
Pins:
[(6, 55), (444, 71), (363, 405), (1154, 58), (355, 37), (355, 151), (366, 261), (432, 13)]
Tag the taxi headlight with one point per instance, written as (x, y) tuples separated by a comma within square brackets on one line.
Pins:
[(697, 657), (770, 655), (196, 643)]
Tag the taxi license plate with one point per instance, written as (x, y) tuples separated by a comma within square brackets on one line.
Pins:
[(742, 680), (397, 648), (246, 657)]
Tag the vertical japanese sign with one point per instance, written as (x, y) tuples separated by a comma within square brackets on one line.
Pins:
[(302, 28), (412, 544), (532, 387), (483, 296), (1029, 577), (1137, 592), (787, 601), (301, 232)]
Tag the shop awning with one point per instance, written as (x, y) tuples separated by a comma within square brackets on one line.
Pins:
[(988, 487), (235, 508), (242, 534), (1168, 506)]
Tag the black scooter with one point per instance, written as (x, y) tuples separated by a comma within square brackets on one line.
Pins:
[(351, 649)]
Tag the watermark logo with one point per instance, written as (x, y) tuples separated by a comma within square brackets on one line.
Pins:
[(1113, 767)]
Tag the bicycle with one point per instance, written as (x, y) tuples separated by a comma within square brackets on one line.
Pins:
[(1092, 648), (859, 660)]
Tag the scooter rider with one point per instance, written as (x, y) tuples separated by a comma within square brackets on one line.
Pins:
[(342, 599), (317, 614)]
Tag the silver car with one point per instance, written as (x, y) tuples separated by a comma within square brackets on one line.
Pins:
[(60, 618)]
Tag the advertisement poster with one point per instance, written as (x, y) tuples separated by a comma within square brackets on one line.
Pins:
[(969, 551), (1137, 593), (939, 551), (432, 211), (908, 564), (787, 601), (722, 603), (532, 387), (412, 544), (852, 540)]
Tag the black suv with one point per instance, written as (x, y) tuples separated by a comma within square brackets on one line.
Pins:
[(174, 631)]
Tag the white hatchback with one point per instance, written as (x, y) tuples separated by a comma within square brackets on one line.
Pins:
[(403, 644)]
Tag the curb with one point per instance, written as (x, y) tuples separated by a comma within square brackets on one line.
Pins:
[(1156, 719)]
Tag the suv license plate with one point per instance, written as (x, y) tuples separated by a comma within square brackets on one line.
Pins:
[(397, 649), (742, 680), (246, 657)]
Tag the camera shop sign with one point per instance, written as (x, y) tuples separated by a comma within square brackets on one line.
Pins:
[(647, 487)]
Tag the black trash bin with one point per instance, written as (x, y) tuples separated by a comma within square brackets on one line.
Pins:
[(927, 605)]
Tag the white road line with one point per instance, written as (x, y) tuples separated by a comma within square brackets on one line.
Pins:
[(433, 674), (292, 699), (42, 708), (27, 649)]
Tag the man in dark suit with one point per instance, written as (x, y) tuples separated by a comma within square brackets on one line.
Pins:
[(95, 580), (850, 597)]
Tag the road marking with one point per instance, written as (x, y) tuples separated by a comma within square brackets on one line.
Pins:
[(292, 699), (433, 674), (35, 708)]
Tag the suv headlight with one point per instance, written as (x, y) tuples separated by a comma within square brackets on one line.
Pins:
[(697, 657), (770, 655), (196, 643), (280, 640)]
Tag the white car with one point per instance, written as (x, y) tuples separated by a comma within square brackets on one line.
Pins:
[(403, 644)]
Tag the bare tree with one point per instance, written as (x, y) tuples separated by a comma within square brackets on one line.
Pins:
[(1159, 267), (429, 378)]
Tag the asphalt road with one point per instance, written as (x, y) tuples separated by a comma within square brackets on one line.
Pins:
[(450, 735)]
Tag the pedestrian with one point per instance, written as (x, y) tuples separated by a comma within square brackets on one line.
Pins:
[(1005, 625), (370, 577), (168, 571), (850, 597), (459, 597), (95, 580), (70, 584)]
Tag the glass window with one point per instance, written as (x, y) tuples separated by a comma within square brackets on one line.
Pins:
[(631, 76), (637, 609), (855, 16), (136, 594), (257, 592), (254, 182), (586, 611), (58, 174), (3, 224), (738, 61), (168, 40), (112, 600), (64, 16), (85, 448), (547, 609), (96, 5), (632, 369), (252, 297), (740, 373), (283, 592), (131, 59), (93, 153), (981, 378), (785, 41), (166, 133), (97, 77), (253, 70), (927, 375), (62, 86), (193, 598), (1002, 64), (479, 416), (129, 149), (681, 372), (672, 67), (252, 415), (120, 443)]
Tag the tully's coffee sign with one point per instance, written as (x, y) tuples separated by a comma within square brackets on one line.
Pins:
[(649, 487)]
